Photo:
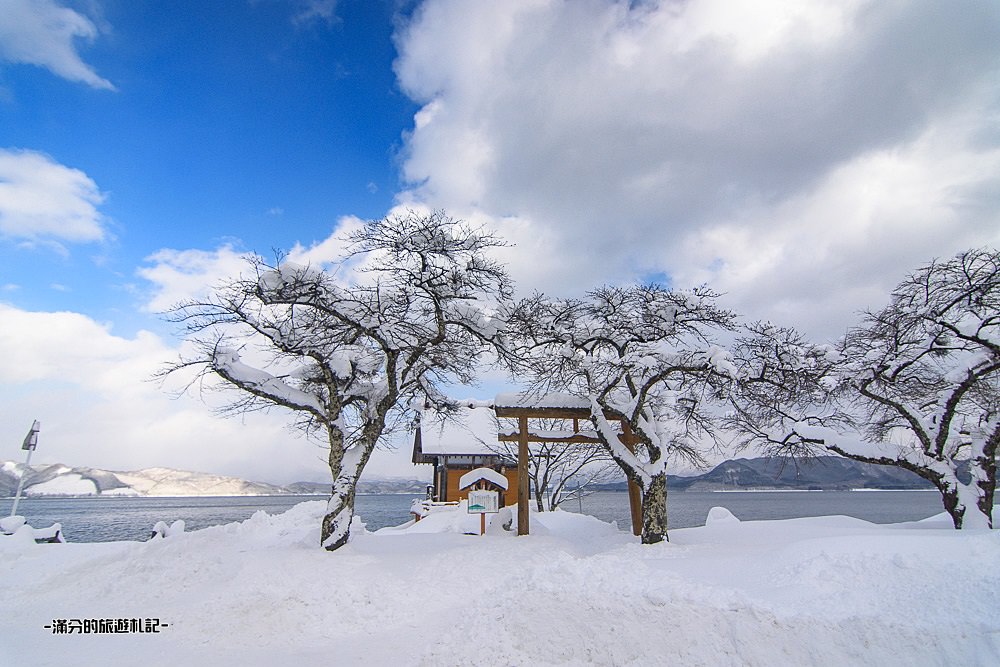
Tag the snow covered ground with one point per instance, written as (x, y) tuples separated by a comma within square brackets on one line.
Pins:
[(818, 591)]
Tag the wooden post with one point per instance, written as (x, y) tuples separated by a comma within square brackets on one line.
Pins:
[(522, 476), (482, 523), (634, 492)]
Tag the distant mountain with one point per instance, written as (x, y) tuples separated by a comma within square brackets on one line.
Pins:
[(61, 480), (823, 472)]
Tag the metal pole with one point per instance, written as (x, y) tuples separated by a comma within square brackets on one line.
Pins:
[(30, 442), (20, 484)]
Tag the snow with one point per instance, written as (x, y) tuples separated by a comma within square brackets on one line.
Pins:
[(15, 526), (161, 529), (550, 400), (170, 482), (490, 475), (227, 361), (10, 524), (59, 479), (818, 591), (720, 516), (70, 484)]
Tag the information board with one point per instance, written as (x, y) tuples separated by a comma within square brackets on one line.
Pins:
[(484, 502)]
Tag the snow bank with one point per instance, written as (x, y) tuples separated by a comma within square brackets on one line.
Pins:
[(822, 591)]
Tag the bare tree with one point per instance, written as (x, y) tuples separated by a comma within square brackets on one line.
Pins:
[(640, 353), (916, 385), (562, 472), (347, 353)]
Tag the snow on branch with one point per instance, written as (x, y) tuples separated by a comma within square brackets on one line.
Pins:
[(226, 362)]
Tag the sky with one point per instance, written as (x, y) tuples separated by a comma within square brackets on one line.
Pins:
[(800, 157)]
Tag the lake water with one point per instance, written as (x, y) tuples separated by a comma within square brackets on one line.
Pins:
[(106, 519)]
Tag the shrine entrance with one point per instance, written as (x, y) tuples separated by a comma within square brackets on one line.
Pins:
[(569, 408)]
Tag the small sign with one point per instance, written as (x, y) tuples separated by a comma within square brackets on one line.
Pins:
[(484, 502), (31, 440)]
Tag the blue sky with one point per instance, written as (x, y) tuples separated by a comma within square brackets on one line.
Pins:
[(800, 157), (231, 121)]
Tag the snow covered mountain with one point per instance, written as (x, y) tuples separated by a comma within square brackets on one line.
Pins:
[(62, 480), (831, 473), (825, 472)]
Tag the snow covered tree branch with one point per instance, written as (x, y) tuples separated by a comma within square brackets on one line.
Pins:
[(643, 356), (347, 352), (916, 385)]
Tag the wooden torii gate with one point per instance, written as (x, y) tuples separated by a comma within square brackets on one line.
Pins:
[(522, 408)]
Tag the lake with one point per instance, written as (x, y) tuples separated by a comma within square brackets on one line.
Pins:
[(103, 519)]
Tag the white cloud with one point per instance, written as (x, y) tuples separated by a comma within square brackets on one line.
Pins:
[(315, 10), (801, 156), (92, 392), (181, 275), (329, 250), (41, 199), (44, 33), (841, 246)]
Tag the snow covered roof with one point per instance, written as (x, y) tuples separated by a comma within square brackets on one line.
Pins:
[(550, 400), (471, 432), (490, 475)]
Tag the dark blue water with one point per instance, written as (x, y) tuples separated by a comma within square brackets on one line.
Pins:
[(110, 518), (97, 519), (686, 509)]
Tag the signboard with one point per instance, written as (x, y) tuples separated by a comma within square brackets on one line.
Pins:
[(484, 502), (31, 440)]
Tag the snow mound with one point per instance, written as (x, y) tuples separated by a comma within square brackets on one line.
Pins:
[(162, 530), (826, 591), (448, 519), (10, 524), (720, 516)]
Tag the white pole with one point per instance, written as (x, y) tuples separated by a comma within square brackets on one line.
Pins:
[(20, 483)]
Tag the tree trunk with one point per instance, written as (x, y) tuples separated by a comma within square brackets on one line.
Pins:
[(345, 467), (969, 505), (654, 510), (339, 514)]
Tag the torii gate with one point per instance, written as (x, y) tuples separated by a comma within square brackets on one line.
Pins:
[(556, 406)]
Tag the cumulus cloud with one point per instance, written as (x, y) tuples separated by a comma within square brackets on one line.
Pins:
[(182, 275), (329, 250), (41, 199), (91, 389), (801, 156), (44, 33), (175, 276)]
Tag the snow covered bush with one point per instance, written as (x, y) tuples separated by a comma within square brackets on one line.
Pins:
[(915, 385), (642, 355), (346, 351)]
